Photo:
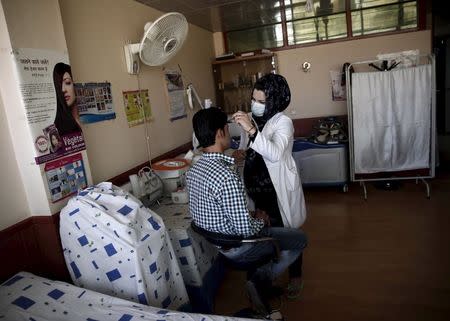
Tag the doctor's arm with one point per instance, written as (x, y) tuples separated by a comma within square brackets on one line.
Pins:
[(272, 148)]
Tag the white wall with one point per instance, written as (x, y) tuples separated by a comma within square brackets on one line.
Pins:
[(96, 31), (12, 196), (311, 91), (24, 24)]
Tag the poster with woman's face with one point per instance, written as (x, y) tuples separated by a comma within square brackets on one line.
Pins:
[(48, 95)]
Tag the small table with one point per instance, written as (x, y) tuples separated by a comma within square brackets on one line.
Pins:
[(199, 261)]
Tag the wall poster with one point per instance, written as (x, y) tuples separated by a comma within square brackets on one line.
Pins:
[(176, 94), (133, 100), (94, 102), (338, 89), (65, 176), (48, 95)]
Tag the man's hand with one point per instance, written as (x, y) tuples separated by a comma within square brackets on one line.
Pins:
[(263, 216), (239, 156)]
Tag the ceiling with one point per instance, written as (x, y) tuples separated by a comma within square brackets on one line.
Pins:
[(222, 15)]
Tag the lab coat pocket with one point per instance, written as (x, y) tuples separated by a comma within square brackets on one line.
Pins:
[(292, 180)]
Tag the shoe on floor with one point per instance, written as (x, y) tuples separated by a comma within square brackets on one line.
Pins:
[(274, 315)]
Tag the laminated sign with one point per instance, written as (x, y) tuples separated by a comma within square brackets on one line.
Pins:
[(48, 96)]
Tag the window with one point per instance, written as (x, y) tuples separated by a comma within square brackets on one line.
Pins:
[(259, 25), (373, 16), (294, 22), (270, 36), (325, 20)]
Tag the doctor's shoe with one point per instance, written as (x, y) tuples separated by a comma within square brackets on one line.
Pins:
[(274, 315)]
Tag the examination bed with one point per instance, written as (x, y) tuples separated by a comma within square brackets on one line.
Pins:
[(29, 297)]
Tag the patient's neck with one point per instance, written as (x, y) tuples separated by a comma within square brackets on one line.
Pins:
[(216, 148)]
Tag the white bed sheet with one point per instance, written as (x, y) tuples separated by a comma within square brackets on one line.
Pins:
[(28, 297), (114, 245), (195, 255)]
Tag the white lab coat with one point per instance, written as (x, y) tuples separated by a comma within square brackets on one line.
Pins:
[(274, 144)]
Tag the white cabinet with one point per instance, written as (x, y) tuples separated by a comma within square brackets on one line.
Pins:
[(321, 164)]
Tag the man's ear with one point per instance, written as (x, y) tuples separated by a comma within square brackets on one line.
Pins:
[(220, 133)]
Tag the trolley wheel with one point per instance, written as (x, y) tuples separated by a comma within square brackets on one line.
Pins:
[(345, 188)]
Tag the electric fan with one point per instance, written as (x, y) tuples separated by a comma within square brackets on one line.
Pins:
[(161, 41)]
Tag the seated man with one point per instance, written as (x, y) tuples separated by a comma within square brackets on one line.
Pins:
[(217, 203)]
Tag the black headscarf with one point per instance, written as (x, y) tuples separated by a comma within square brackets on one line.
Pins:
[(278, 96), (64, 121)]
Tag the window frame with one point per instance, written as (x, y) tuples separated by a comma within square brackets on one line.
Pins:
[(421, 25)]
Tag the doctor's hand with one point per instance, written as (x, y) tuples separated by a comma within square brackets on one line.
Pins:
[(243, 120)]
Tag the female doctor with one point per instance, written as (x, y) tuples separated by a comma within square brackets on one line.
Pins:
[(270, 173)]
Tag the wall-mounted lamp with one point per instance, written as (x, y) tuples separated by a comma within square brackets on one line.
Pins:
[(306, 66)]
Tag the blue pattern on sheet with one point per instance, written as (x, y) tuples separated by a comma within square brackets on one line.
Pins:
[(83, 240), (155, 224), (12, 280), (74, 211), (125, 210), (75, 270), (166, 302), (135, 257), (194, 255), (113, 275), (183, 260), (185, 242), (55, 294), (110, 250), (153, 267), (27, 287), (23, 302), (142, 299), (125, 317)]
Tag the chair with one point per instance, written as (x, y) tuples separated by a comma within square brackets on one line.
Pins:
[(225, 242)]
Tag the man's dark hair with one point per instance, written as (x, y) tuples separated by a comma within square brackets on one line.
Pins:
[(206, 122)]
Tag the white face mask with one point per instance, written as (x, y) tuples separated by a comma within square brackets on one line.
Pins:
[(258, 108)]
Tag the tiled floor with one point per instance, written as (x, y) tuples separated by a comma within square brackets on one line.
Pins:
[(387, 258)]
